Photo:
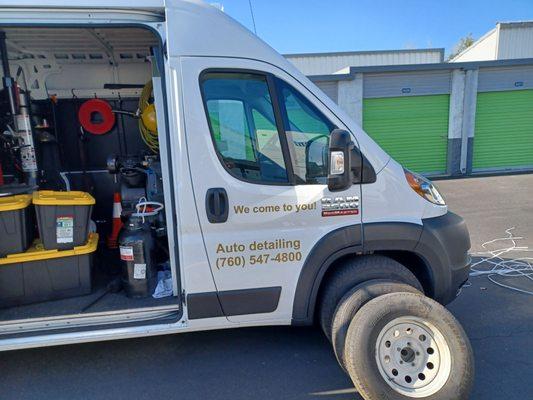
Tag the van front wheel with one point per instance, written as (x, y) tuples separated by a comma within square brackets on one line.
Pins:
[(406, 346)]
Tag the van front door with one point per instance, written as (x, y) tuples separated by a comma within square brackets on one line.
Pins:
[(257, 141)]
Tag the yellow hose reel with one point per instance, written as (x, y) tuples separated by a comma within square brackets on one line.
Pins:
[(148, 118)]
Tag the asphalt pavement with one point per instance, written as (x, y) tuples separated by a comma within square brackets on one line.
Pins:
[(298, 363)]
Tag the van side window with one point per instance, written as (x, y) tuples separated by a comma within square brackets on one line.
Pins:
[(307, 131), (243, 126)]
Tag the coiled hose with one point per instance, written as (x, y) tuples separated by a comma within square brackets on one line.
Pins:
[(149, 136)]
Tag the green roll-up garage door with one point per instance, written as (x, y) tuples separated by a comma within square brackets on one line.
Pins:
[(413, 130), (504, 130)]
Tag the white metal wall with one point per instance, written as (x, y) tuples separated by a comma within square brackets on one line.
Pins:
[(506, 41), (94, 76), (516, 41), (483, 49), (330, 63)]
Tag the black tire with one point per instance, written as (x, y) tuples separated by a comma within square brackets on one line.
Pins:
[(450, 371), (351, 273), (352, 302)]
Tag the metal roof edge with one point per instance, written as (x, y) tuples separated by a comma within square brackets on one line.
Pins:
[(516, 24), (331, 77), (422, 67)]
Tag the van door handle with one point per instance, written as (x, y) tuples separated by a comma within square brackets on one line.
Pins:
[(217, 205)]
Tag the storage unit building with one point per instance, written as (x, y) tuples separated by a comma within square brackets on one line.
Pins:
[(444, 119)]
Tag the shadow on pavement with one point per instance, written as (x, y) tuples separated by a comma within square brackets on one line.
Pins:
[(258, 363)]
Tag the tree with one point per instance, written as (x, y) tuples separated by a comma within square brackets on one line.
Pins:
[(463, 44)]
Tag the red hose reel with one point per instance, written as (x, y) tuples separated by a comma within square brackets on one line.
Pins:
[(105, 118)]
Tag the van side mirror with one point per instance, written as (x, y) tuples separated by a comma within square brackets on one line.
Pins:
[(340, 149)]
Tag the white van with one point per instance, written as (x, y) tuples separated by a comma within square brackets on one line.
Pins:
[(261, 202)]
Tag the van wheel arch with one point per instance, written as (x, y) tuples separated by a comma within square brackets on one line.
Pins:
[(393, 240), (337, 245)]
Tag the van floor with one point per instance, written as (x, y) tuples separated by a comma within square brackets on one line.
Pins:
[(104, 271)]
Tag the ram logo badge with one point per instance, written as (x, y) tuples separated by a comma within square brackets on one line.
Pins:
[(332, 207)]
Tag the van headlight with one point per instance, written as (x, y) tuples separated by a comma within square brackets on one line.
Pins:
[(424, 188)]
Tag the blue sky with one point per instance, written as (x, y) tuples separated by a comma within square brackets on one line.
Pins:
[(303, 26)]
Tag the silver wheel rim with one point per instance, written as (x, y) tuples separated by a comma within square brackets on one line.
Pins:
[(413, 357)]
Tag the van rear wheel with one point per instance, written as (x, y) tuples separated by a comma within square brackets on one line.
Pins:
[(405, 346)]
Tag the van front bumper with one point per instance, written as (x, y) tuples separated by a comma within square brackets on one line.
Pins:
[(444, 245)]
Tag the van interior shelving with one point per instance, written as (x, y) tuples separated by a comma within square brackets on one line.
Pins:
[(57, 70)]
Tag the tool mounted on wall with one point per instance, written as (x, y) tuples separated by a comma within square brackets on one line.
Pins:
[(106, 116), (96, 116), (19, 108)]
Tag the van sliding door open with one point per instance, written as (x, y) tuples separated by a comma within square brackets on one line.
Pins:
[(87, 174)]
